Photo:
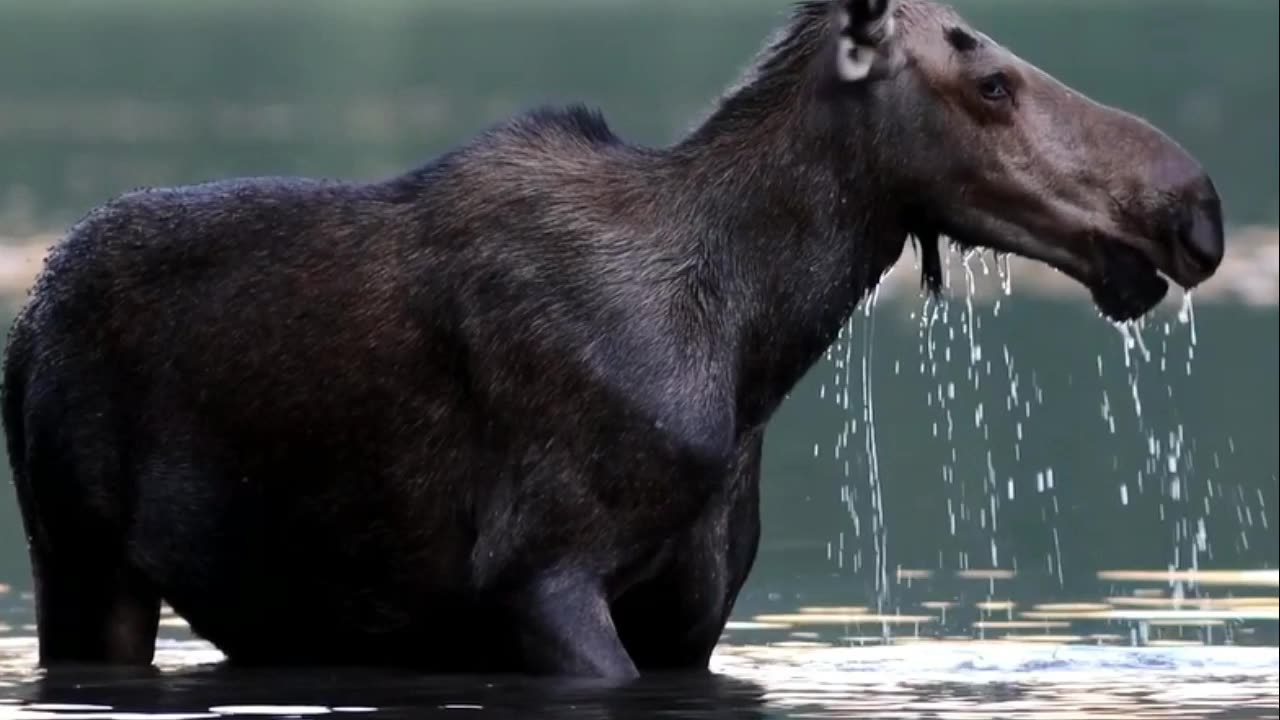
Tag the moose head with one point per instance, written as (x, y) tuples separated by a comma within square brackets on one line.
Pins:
[(986, 149)]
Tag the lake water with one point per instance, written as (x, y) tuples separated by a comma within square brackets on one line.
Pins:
[(1048, 521), (779, 661), (757, 673)]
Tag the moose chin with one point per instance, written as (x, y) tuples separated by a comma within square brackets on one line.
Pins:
[(504, 411)]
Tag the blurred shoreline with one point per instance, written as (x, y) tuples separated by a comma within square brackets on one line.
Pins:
[(1250, 272)]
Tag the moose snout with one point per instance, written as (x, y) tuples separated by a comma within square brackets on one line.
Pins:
[(1201, 234), (1189, 227)]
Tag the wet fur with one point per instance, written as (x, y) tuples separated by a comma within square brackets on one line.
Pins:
[(501, 412), (469, 418)]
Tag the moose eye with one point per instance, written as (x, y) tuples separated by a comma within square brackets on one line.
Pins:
[(995, 87)]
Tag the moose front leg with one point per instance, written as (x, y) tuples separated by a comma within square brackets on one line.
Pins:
[(565, 628), (674, 620)]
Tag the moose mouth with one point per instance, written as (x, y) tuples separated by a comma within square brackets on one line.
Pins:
[(1128, 285), (1125, 284)]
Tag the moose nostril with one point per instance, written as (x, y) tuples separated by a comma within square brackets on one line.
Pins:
[(1202, 234)]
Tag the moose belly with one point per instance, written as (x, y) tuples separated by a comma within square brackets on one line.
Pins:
[(308, 570)]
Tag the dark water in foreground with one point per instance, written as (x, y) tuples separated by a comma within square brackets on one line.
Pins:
[(758, 672), (937, 680)]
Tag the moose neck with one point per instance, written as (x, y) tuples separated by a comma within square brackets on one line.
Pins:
[(795, 225)]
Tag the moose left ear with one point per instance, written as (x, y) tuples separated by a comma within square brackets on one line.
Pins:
[(865, 27)]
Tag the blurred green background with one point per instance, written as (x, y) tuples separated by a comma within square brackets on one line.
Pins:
[(99, 97)]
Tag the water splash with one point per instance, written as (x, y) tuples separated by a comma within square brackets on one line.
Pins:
[(842, 357), (1184, 494), (975, 499), (1187, 316), (979, 479), (878, 529)]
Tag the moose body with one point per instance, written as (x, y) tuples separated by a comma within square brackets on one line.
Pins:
[(505, 411)]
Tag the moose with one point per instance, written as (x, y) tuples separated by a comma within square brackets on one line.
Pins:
[(504, 412)]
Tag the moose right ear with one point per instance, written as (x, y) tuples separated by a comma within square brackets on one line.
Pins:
[(865, 31)]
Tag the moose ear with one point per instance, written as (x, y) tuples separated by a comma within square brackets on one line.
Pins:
[(865, 29)]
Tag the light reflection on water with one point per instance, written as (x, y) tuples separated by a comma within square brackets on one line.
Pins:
[(1011, 680), (762, 670), (937, 680)]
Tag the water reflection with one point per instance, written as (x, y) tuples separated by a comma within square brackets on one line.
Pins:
[(807, 661), (209, 691), (1008, 680), (935, 679)]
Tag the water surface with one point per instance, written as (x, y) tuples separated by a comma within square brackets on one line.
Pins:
[(766, 667)]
